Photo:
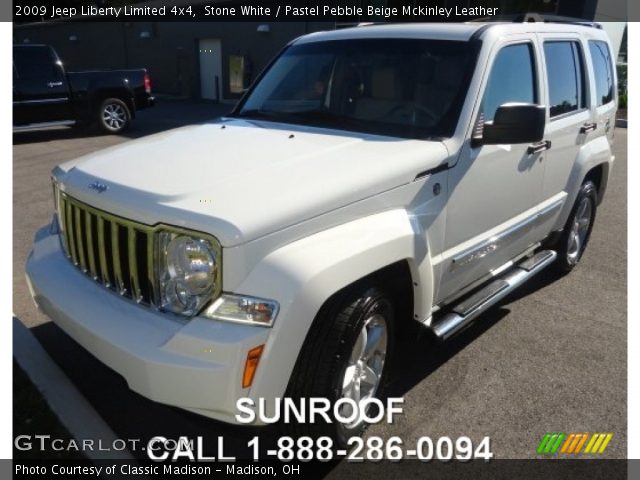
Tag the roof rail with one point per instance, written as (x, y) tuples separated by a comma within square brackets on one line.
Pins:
[(546, 18), (537, 18)]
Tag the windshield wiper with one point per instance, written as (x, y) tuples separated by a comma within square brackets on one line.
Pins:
[(323, 117), (258, 113), (318, 117)]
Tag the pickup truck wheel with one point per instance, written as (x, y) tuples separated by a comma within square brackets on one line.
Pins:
[(345, 356), (577, 231), (114, 115)]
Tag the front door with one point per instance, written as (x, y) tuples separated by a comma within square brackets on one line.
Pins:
[(211, 69), (494, 189)]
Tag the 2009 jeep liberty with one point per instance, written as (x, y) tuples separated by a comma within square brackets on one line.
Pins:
[(372, 177)]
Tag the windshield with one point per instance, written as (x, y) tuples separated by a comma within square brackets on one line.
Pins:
[(401, 87)]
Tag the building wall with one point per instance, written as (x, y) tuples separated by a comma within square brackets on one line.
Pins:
[(169, 50)]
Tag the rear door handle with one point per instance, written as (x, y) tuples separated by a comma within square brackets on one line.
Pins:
[(54, 84), (588, 127), (539, 147)]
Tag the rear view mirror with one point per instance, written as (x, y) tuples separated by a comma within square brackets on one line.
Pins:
[(515, 123)]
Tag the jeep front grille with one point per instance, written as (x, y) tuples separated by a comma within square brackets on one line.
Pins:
[(114, 251)]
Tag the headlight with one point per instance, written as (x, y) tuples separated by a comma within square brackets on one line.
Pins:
[(188, 272), (243, 309)]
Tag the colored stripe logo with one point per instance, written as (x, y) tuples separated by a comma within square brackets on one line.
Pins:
[(550, 443), (574, 443)]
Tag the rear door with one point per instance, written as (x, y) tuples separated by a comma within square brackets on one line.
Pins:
[(569, 118), (42, 86)]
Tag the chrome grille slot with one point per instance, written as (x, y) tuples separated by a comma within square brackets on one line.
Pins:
[(91, 246), (116, 258), (112, 250), (77, 227)]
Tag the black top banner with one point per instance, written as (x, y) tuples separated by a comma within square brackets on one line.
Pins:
[(340, 11)]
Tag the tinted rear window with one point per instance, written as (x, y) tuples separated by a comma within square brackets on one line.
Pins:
[(565, 77), (603, 71)]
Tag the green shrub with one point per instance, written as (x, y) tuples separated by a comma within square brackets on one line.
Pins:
[(622, 78), (622, 101)]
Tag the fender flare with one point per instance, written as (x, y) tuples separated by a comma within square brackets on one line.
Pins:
[(597, 152), (302, 275)]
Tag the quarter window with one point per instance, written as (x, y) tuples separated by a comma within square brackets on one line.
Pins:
[(565, 77), (512, 79), (603, 71)]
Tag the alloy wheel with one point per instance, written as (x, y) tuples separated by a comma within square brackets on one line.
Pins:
[(365, 366), (114, 116), (579, 230)]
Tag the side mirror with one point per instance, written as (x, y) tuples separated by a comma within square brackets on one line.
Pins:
[(515, 123)]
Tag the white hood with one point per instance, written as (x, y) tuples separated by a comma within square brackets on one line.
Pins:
[(240, 180)]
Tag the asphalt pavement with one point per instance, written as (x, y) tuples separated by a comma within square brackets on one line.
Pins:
[(551, 358)]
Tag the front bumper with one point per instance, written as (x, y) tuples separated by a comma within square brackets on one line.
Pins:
[(195, 365)]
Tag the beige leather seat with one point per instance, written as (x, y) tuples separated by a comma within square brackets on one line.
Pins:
[(384, 96)]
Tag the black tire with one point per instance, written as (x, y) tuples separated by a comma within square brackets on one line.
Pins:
[(568, 253), (325, 356), (113, 116)]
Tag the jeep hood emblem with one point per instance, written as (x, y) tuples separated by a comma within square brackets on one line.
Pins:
[(98, 186)]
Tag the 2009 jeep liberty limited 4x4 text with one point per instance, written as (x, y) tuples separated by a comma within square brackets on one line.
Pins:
[(371, 177)]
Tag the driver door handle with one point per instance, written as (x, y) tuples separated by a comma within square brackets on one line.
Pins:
[(539, 147), (588, 127)]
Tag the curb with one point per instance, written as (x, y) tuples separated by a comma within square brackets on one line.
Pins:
[(66, 402), (621, 123)]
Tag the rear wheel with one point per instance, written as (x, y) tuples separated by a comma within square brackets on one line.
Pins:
[(575, 236), (114, 115), (345, 356)]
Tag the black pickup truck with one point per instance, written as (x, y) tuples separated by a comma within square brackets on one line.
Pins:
[(45, 94)]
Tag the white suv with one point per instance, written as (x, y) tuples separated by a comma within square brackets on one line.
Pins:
[(372, 177)]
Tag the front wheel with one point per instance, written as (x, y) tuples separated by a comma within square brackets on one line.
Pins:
[(114, 115), (577, 231), (345, 356)]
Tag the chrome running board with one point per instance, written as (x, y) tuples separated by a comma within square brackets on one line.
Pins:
[(32, 126), (464, 312)]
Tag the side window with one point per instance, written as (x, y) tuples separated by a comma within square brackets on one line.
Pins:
[(565, 76), (603, 71), (512, 79), (34, 63)]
